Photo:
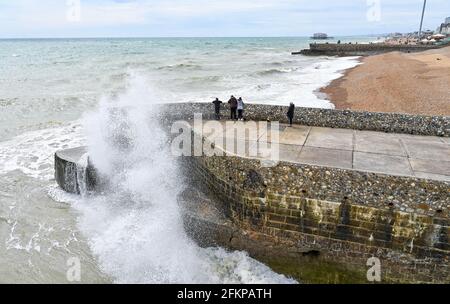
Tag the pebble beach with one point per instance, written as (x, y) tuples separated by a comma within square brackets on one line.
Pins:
[(416, 83)]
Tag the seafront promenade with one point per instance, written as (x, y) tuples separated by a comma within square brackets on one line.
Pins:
[(378, 152)]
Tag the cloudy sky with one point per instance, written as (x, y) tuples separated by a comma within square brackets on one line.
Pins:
[(196, 18)]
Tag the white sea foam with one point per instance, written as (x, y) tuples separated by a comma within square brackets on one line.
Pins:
[(33, 152), (136, 227), (298, 83), (318, 75)]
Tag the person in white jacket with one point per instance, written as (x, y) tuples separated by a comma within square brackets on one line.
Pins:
[(240, 109)]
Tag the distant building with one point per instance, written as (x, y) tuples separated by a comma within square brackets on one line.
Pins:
[(445, 27), (321, 36), (445, 30), (395, 35)]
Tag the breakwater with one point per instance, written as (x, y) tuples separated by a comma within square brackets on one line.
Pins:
[(334, 49), (294, 211)]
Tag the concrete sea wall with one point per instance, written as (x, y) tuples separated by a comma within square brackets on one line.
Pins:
[(74, 173), (334, 49), (344, 216)]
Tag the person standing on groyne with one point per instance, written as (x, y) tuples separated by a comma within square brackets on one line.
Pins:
[(240, 108), (233, 107), (217, 104), (290, 113)]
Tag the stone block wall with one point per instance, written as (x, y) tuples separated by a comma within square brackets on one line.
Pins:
[(402, 221)]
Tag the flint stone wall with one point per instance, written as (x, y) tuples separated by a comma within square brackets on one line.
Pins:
[(345, 119), (347, 216)]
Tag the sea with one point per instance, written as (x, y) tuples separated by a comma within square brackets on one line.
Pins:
[(59, 93)]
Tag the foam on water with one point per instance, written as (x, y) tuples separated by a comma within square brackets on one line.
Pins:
[(32, 152), (316, 76), (38, 234), (135, 228)]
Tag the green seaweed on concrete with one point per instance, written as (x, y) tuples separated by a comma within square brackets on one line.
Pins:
[(316, 271)]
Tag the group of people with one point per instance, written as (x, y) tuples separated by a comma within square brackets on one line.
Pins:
[(237, 109)]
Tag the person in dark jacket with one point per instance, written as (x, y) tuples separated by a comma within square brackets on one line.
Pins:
[(233, 107), (217, 104), (290, 113)]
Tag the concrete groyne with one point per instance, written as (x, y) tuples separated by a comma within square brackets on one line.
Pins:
[(334, 49), (73, 172), (296, 211)]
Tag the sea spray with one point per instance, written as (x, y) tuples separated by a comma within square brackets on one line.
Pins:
[(135, 227)]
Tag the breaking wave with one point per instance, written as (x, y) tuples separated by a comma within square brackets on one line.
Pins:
[(272, 72), (135, 228), (181, 66)]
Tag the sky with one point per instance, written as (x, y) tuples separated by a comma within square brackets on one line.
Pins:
[(214, 18)]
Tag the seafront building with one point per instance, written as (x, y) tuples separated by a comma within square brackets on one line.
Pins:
[(444, 28)]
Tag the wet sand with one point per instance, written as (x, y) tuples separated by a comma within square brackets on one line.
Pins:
[(416, 83)]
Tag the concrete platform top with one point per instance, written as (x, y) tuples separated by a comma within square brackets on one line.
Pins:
[(73, 155), (386, 153)]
